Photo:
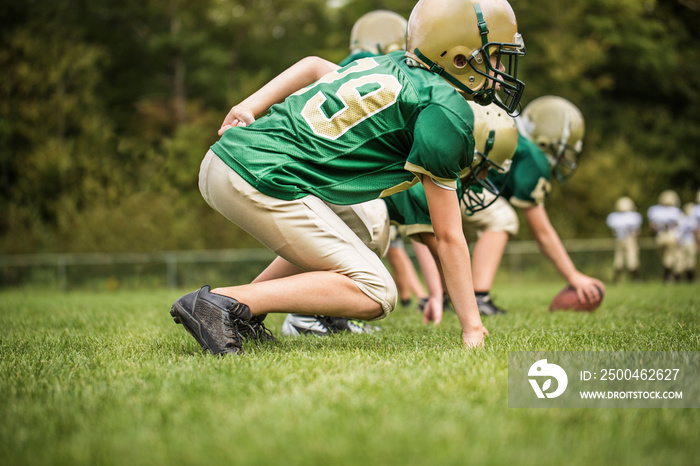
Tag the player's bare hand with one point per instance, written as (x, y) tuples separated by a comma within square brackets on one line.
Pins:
[(474, 338), (433, 311), (588, 289), (237, 116)]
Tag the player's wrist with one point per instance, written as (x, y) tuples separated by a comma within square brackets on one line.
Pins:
[(472, 328)]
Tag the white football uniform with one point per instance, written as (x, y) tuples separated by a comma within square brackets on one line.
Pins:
[(664, 223)]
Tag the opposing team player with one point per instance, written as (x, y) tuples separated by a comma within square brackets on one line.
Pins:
[(359, 133), (625, 223), (664, 217), (688, 234), (551, 139)]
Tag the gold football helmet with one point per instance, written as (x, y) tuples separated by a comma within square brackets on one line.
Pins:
[(688, 208), (473, 44), (625, 204), (557, 127), (378, 32), (669, 198), (496, 138)]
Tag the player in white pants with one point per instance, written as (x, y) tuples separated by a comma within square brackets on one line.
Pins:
[(663, 221), (625, 223), (361, 132), (551, 139)]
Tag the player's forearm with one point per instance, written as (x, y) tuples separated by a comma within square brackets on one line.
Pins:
[(456, 267), (306, 71), (552, 247), (430, 270), (549, 242), (431, 243)]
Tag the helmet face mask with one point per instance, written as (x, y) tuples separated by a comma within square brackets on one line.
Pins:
[(565, 161), (498, 63), (474, 46), (476, 182)]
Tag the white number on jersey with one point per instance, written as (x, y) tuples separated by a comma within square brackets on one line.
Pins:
[(543, 188)]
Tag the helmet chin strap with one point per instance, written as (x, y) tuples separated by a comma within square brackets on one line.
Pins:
[(484, 98)]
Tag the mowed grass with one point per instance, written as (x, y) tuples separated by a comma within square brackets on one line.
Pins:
[(108, 379)]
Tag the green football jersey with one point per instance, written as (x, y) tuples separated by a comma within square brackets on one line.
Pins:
[(362, 132), (528, 181), (410, 209)]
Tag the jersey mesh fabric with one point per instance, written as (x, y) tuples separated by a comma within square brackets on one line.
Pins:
[(390, 123)]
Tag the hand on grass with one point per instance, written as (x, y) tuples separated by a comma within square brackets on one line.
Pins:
[(433, 311), (474, 338)]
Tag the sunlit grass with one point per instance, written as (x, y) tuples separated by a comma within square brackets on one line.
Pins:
[(108, 378)]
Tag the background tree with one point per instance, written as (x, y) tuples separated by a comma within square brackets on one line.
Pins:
[(107, 107)]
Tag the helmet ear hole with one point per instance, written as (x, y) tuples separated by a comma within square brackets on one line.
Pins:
[(460, 61)]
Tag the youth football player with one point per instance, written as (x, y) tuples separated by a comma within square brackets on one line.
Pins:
[(551, 138), (287, 157)]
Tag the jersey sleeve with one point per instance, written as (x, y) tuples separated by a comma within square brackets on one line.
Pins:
[(443, 145)]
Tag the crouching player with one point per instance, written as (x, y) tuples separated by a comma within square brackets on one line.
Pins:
[(496, 137), (358, 133), (550, 142)]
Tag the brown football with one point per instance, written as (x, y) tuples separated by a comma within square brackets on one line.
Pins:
[(567, 299)]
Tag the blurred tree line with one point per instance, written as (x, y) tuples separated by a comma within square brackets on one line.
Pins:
[(107, 107)]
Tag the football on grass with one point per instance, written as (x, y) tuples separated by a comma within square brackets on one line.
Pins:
[(567, 299)]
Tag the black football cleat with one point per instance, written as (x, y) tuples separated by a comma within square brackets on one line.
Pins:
[(487, 307), (255, 329), (212, 319)]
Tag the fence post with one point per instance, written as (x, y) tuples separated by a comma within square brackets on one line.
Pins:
[(171, 261), (61, 273)]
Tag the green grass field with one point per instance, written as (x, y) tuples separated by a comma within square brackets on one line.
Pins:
[(108, 379)]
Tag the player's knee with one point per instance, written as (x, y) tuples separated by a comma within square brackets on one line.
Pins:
[(386, 300)]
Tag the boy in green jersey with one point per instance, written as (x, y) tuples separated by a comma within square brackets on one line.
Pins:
[(496, 138), (365, 131), (552, 131), (376, 33)]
